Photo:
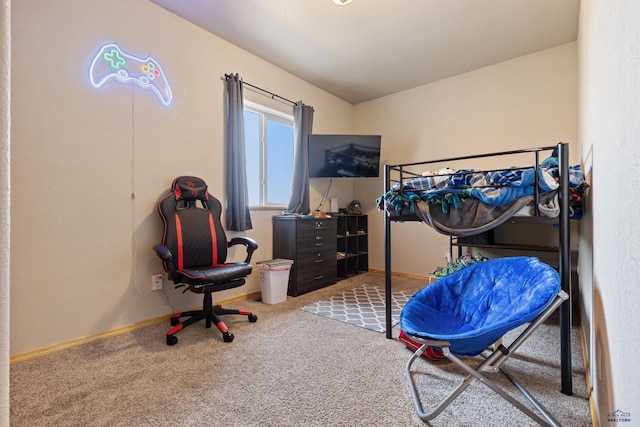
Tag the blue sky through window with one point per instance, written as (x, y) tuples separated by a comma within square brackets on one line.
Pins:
[(271, 161)]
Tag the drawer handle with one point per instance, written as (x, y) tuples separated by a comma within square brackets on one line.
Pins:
[(318, 261), (318, 277), (318, 237), (318, 244)]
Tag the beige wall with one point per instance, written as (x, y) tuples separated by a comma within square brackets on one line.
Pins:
[(527, 102), (609, 132), (81, 255), (5, 52)]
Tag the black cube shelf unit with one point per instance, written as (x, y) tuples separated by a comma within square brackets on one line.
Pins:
[(353, 245)]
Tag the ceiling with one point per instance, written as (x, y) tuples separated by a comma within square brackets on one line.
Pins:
[(372, 48)]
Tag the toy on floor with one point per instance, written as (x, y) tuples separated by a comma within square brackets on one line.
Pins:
[(459, 264), (431, 353)]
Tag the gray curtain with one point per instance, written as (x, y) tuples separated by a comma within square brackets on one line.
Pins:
[(302, 125), (237, 214)]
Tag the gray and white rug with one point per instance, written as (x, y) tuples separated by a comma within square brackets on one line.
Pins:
[(361, 306)]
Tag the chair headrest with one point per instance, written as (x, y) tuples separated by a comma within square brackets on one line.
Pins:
[(189, 188)]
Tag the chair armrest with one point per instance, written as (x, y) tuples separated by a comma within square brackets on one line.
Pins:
[(165, 255), (250, 244)]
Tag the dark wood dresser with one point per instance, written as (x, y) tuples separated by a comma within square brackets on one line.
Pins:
[(311, 243)]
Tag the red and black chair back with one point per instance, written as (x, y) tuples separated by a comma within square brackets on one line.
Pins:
[(192, 228)]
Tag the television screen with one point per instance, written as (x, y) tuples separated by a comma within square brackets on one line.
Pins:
[(352, 156)]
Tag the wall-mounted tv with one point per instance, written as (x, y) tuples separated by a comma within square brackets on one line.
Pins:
[(352, 156)]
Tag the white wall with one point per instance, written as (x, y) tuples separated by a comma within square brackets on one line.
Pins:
[(81, 253), (527, 102), (609, 132), (5, 52)]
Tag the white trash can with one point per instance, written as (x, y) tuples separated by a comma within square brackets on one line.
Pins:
[(274, 279)]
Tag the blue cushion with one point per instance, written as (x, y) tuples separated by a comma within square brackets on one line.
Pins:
[(474, 307)]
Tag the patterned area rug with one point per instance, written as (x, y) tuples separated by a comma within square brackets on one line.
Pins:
[(361, 306)]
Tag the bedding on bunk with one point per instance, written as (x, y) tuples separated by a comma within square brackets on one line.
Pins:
[(467, 202)]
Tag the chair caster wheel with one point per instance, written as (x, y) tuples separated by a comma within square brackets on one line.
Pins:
[(175, 321), (227, 337), (253, 318), (172, 340)]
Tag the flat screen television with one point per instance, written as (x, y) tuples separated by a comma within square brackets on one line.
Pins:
[(351, 156)]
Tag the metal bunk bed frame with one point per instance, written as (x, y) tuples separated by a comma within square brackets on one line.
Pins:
[(564, 255)]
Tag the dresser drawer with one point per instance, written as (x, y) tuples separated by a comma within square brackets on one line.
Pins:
[(315, 272), (316, 226), (316, 261), (311, 282), (318, 244)]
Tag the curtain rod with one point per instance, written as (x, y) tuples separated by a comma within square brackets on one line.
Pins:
[(273, 95)]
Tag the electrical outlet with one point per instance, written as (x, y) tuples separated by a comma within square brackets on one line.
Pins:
[(156, 282)]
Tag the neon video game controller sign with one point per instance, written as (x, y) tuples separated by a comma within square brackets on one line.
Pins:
[(112, 63)]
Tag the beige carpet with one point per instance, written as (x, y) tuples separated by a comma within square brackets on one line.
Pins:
[(290, 368)]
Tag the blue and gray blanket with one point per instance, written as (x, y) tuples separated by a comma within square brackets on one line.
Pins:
[(466, 202)]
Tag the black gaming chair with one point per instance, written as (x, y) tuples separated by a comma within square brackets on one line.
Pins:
[(194, 251)]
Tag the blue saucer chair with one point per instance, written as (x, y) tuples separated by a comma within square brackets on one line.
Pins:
[(469, 311)]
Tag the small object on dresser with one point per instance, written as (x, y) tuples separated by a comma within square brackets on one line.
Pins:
[(355, 208)]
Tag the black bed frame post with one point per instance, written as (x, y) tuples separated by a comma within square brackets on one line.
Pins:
[(387, 255), (536, 191), (565, 270)]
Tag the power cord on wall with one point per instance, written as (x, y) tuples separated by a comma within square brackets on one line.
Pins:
[(146, 290), (324, 196), (134, 268)]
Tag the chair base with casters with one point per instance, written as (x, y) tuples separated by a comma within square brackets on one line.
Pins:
[(465, 313), (210, 313), (194, 251)]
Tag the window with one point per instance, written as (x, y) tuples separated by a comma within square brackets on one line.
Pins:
[(269, 153)]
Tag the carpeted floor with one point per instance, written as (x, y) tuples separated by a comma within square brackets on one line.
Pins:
[(291, 368)]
